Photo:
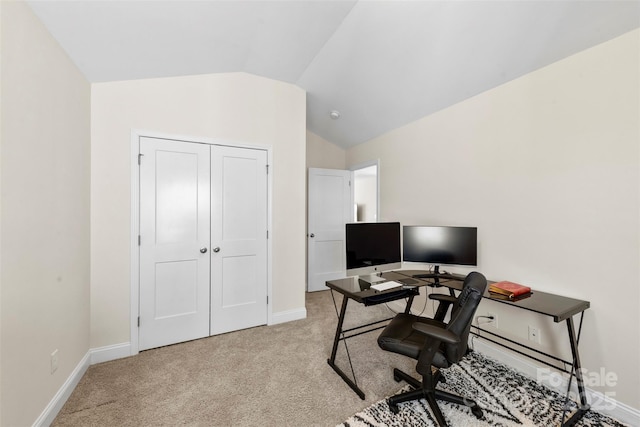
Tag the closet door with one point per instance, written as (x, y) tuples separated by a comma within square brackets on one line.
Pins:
[(174, 242), (238, 238)]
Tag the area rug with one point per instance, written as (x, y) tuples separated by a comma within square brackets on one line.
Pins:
[(507, 399)]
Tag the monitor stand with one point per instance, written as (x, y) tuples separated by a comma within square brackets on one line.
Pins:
[(435, 275), (371, 278)]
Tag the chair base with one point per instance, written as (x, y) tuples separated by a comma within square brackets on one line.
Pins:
[(430, 394)]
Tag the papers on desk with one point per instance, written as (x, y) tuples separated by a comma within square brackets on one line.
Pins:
[(386, 285)]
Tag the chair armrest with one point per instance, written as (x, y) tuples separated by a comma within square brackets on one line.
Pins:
[(436, 332), (444, 302), (443, 298)]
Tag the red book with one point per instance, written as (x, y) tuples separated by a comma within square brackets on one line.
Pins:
[(509, 289)]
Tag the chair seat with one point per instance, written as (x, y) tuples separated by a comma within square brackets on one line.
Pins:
[(399, 337), (428, 348)]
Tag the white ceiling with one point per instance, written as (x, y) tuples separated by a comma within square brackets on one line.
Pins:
[(382, 64)]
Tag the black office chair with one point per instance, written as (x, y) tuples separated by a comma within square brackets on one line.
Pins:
[(432, 342)]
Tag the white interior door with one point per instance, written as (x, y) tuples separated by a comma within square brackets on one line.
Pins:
[(239, 238), (330, 208), (174, 242)]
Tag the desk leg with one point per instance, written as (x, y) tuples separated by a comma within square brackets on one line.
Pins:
[(584, 406), (407, 309), (331, 361)]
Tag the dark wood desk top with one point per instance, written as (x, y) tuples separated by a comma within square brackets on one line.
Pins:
[(361, 291), (558, 307)]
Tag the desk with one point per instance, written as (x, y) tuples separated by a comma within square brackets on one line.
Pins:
[(353, 289), (557, 307)]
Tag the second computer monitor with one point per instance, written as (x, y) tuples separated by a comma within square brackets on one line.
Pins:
[(439, 245)]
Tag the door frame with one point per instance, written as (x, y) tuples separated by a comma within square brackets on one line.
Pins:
[(364, 165), (136, 134)]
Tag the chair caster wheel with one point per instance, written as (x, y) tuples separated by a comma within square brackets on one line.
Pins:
[(397, 375), (394, 408), (475, 410)]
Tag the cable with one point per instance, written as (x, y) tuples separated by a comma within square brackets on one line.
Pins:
[(483, 317), (426, 298), (479, 335), (406, 301)]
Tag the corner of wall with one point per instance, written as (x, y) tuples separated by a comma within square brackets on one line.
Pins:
[(324, 154)]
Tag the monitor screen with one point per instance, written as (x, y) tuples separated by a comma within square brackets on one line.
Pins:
[(440, 245), (372, 247)]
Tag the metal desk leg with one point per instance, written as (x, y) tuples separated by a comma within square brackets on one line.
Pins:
[(577, 367), (407, 308), (334, 350)]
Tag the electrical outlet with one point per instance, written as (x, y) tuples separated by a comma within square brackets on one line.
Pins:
[(534, 334), (54, 361), (493, 321)]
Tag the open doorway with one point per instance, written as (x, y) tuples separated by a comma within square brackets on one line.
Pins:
[(365, 192)]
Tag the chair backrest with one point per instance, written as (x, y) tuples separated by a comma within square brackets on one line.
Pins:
[(462, 314)]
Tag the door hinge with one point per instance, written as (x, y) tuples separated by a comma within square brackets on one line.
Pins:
[(138, 321), (140, 158), (349, 183), (139, 240), (267, 299), (267, 234), (267, 169)]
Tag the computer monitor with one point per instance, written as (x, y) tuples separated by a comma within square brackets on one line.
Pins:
[(439, 245), (372, 247)]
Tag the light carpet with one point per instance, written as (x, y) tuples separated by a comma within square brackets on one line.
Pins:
[(507, 398)]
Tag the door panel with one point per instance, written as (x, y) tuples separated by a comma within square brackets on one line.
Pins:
[(239, 238), (174, 227), (241, 271), (176, 289), (330, 209)]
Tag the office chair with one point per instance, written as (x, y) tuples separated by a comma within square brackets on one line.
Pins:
[(432, 342)]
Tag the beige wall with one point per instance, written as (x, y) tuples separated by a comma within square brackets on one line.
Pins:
[(44, 217), (547, 168), (324, 154), (239, 107)]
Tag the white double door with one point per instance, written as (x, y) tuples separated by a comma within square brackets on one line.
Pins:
[(203, 240)]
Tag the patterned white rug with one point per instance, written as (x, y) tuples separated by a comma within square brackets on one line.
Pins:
[(507, 398)]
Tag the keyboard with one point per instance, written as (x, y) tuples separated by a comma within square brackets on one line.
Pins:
[(386, 286)]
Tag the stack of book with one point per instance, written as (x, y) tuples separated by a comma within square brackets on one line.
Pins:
[(509, 290)]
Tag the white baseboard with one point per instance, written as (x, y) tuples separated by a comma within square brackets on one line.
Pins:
[(55, 405), (110, 352), (288, 316), (119, 351), (93, 356), (598, 401)]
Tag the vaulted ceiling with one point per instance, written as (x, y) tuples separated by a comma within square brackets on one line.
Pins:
[(381, 64)]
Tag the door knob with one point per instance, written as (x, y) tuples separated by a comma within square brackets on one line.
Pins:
[(216, 249), (312, 235), (203, 250)]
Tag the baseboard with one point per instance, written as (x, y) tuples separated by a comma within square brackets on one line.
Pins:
[(598, 401), (119, 351), (55, 405), (110, 352), (288, 316)]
